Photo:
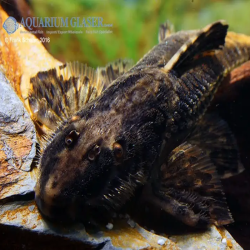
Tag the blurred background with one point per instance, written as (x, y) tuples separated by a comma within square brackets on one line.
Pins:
[(135, 24)]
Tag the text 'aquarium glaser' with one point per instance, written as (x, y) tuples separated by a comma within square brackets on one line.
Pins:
[(118, 131), (62, 22)]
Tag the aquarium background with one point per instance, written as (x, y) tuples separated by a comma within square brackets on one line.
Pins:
[(135, 24)]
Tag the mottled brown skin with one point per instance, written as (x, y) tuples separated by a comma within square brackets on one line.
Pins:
[(118, 142)]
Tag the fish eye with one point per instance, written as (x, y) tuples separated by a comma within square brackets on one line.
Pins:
[(118, 150), (94, 152), (71, 137)]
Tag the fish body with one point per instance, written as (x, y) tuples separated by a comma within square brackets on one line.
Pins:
[(141, 132)]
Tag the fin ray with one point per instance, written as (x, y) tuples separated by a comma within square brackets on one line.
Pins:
[(214, 136), (210, 38), (166, 29), (190, 189), (58, 93)]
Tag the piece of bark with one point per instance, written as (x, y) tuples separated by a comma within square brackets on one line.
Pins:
[(231, 87), (122, 236), (17, 144)]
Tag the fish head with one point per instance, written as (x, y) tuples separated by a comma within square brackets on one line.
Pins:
[(89, 164)]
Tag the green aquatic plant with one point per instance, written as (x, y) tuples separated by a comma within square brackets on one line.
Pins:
[(135, 24)]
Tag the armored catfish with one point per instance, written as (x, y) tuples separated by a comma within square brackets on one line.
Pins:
[(115, 130)]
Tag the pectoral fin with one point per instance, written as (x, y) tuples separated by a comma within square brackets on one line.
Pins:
[(189, 188), (56, 94)]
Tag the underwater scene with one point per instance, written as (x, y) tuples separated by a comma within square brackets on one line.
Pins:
[(124, 124)]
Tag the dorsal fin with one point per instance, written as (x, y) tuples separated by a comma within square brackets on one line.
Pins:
[(210, 38), (166, 29)]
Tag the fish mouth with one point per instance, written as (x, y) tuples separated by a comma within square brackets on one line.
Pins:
[(55, 208), (56, 212), (70, 209), (70, 213)]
